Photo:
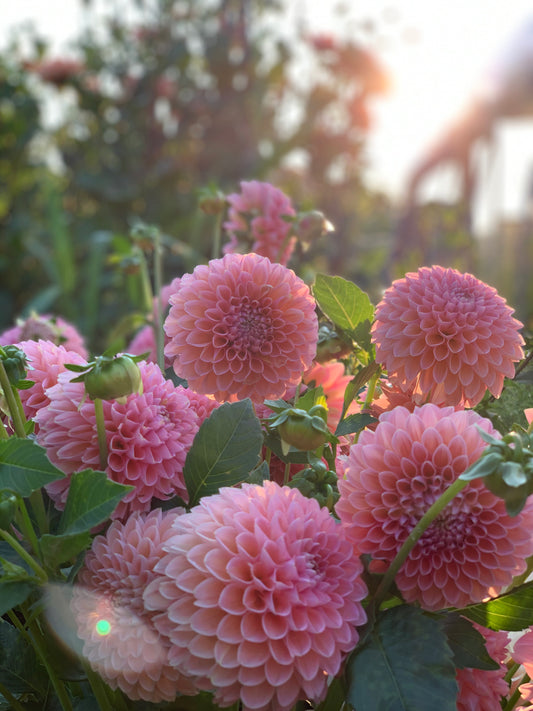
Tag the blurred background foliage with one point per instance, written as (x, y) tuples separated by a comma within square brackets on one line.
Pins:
[(197, 93)]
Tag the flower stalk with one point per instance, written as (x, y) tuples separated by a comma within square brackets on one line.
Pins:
[(101, 433)]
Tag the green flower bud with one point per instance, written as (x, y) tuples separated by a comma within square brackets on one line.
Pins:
[(317, 483), (113, 378), (312, 225), (8, 509), (15, 363), (303, 430)]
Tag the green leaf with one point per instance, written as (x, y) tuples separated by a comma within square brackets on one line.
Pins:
[(60, 549), (24, 466), (405, 662), (13, 593), (344, 303), (20, 671), (92, 498), (225, 450), (512, 611), (335, 697), (354, 423), (467, 644)]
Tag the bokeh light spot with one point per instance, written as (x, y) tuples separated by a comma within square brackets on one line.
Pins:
[(103, 627)]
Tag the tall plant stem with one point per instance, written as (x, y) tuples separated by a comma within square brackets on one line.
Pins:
[(100, 430), (39, 646), (23, 553), (98, 689), (12, 701), (217, 236), (13, 402), (158, 285), (414, 536)]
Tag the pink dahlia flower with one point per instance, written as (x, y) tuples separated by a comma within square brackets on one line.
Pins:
[(447, 334), (148, 438), (394, 474), (203, 405), (256, 222), (259, 595), (119, 639), (523, 654), (45, 361), (47, 328), (241, 327), (480, 689)]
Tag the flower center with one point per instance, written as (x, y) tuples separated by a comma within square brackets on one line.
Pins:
[(248, 326)]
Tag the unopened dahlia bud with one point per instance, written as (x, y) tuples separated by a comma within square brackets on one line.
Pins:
[(304, 430), (15, 363), (110, 378), (211, 201), (312, 225), (331, 344), (317, 483)]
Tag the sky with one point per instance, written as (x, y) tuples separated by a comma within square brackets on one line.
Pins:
[(436, 56)]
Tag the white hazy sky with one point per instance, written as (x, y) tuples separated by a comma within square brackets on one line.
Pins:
[(436, 52)]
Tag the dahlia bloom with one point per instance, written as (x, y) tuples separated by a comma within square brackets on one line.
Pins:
[(481, 689), (523, 654), (47, 328), (256, 221), (241, 327), (119, 639), (45, 361), (201, 404), (259, 594), (447, 334), (148, 438), (394, 474)]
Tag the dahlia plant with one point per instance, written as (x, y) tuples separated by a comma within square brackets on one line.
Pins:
[(279, 498)]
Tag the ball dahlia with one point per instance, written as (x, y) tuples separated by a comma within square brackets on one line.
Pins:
[(394, 474), (259, 594), (45, 360), (241, 327), (448, 334), (148, 438), (119, 639), (47, 328), (256, 221)]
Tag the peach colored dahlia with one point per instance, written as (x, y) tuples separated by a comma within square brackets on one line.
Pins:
[(259, 594), (481, 689), (391, 478), (119, 639), (241, 327), (47, 328), (148, 438), (255, 221), (45, 361), (448, 334)]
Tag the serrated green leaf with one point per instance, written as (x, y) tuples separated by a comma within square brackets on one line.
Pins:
[(92, 498), (512, 611), (60, 549), (24, 466), (354, 423), (20, 670), (13, 593), (225, 450), (467, 644), (344, 303), (405, 661)]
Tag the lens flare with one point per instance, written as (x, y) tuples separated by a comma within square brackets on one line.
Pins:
[(103, 627)]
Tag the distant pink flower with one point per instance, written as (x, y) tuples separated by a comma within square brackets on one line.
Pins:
[(259, 595), (148, 438), (447, 334), (256, 222), (241, 327), (45, 361), (394, 474), (47, 328), (528, 412), (119, 639), (481, 689), (144, 340), (523, 654)]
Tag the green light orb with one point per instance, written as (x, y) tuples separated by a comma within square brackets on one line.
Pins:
[(103, 628)]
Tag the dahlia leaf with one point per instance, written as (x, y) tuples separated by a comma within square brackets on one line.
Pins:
[(60, 549), (24, 467), (225, 450), (13, 593), (344, 303), (512, 611), (467, 644), (92, 498), (405, 661), (20, 670), (354, 423)]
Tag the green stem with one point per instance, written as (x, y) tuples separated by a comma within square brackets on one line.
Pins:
[(100, 430), (39, 511), (511, 703), (217, 236), (513, 668), (12, 700), (98, 689), (26, 527), (40, 648), (23, 553), (158, 285), (287, 474), (13, 399), (370, 390), (411, 540), (146, 286), (3, 431)]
